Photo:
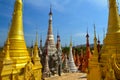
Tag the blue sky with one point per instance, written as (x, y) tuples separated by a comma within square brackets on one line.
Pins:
[(70, 18)]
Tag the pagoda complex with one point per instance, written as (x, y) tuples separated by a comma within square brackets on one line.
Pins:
[(15, 61), (110, 69), (50, 37)]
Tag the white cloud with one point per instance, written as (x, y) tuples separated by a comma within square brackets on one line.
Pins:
[(58, 5), (80, 34)]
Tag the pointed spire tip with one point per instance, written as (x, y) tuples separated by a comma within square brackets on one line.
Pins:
[(50, 9)]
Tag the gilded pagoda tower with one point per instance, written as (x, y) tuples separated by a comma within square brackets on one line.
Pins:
[(50, 37), (111, 42), (18, 50), (15, 59), (93, 65)]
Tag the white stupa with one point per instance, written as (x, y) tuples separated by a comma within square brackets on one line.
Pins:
[(72, 65)]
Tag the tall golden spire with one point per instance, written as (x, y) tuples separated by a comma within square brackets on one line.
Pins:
[(35, 55), (36, 58), (20, 1), (113, 21), (16, 30), (17, 46), (36, 42), (93, 68), (95, 42)]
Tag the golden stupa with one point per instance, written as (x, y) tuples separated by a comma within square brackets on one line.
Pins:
[(109, 63), (93, 65), (15, 61)]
